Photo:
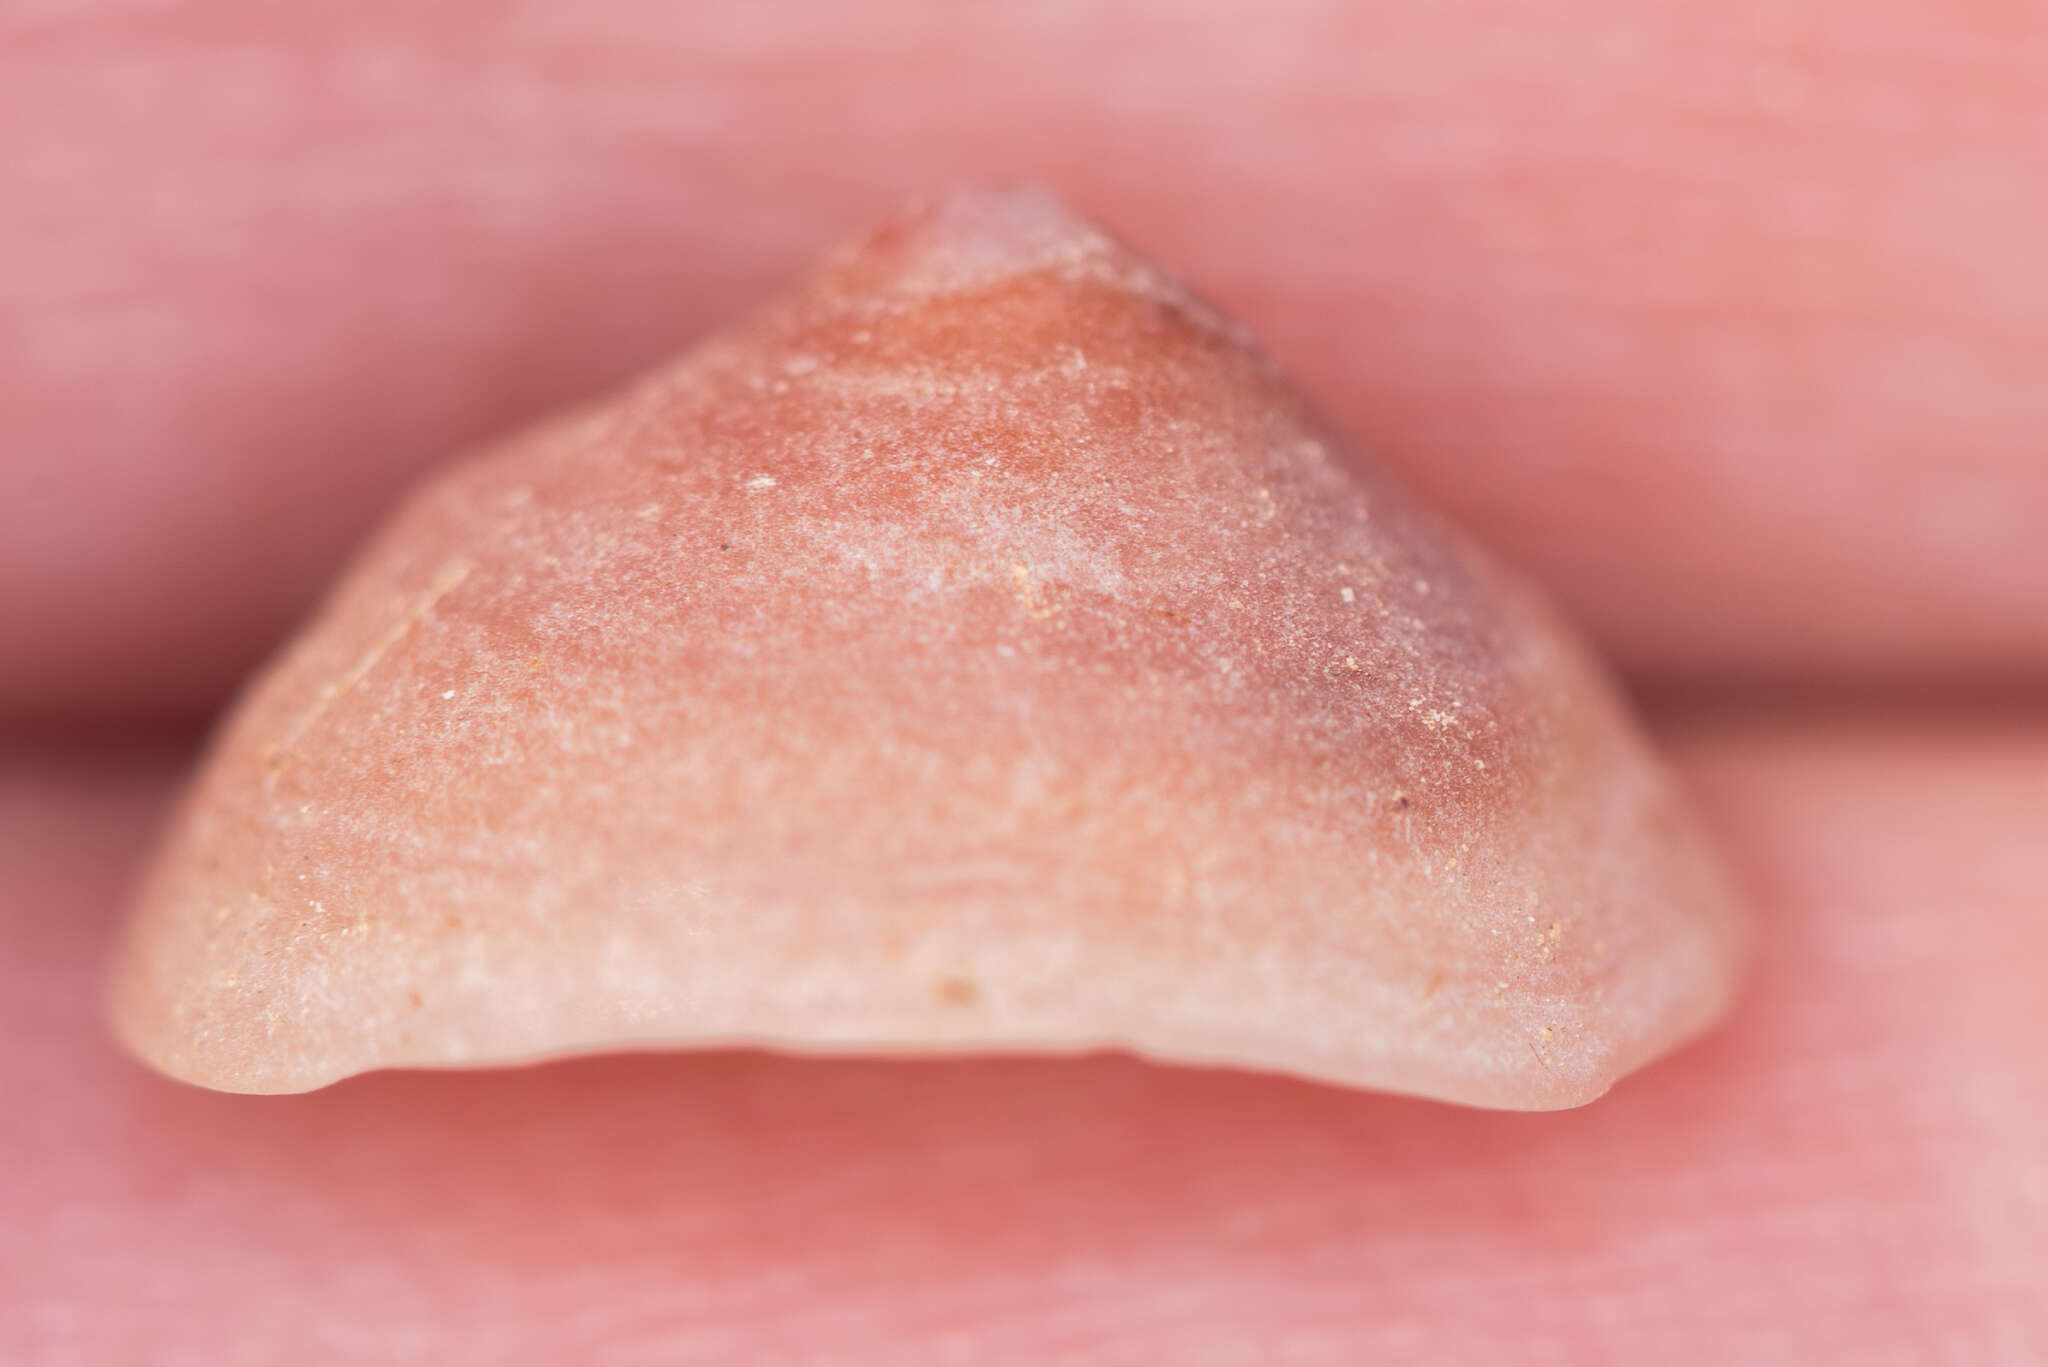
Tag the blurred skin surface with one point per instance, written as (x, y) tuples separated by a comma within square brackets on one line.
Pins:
[(1852, 1171), (1725, 321)]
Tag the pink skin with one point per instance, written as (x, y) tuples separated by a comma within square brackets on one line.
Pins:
[(1726, 320), (1850, 1172), (1730, 330)]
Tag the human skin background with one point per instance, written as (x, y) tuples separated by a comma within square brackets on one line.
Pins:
[(1725, 321), (1724, 318), (1851, 1171)]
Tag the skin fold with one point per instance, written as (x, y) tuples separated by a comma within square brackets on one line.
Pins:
[(1725, 321)]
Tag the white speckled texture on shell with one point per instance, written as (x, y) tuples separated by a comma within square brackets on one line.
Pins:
[(980, 649)]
